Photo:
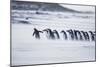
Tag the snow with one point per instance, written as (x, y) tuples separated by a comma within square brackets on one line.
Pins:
[(26, 49)]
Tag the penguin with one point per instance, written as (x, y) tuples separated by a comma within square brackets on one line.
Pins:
[(36, 33), (92, 35), (65, 34), (71, 33), (86, 35), (50, 33), (78, 35), (55, 32)]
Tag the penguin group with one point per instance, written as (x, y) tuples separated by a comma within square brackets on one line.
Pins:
[(72, 34)]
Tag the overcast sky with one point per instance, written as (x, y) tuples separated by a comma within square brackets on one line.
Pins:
[(75, 7), (79, 8)]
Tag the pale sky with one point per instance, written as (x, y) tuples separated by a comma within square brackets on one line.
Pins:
[(75, 7), (79, 8)]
